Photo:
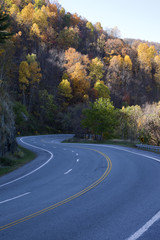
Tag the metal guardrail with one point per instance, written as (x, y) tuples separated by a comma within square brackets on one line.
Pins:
[(155, 149)]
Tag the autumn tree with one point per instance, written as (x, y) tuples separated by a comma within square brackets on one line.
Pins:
[(146, 56), (26, 17), (114, 78), (68, 37), (150, 124), (101, 41), (114, 47), (65, 92), (80, 83), (96, 70), (29, 77), (39, 3), (99, 27), (35, 76), (90, 27), (24, 75), (76, 67), (126, 78), (157, 74), (72, 57), (75, 20), (40, 18)]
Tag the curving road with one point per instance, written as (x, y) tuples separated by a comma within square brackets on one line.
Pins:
[(77, 191)]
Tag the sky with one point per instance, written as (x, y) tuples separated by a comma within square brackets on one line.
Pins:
[(138, 19)]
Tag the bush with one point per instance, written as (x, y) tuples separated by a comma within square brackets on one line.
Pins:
[(4, 161)]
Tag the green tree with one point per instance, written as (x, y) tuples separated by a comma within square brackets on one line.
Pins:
[(100, 118), (129, 122), (47, 108), (102, 89), (4, 24)]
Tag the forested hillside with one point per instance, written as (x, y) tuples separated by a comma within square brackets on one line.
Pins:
[(57, 64)]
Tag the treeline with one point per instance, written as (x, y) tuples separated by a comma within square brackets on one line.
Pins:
[(57, 63), (131, 122)]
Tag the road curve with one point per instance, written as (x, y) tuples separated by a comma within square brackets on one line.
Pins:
[(78, 191)]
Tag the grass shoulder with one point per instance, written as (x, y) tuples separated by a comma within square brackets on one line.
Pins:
[(13, 161)]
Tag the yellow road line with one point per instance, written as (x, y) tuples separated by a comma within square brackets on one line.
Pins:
[(93, 185)]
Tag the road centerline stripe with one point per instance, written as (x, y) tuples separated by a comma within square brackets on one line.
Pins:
[(10, 199), (85, 190)]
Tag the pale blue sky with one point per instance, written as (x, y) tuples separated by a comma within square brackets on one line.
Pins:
[(139, 19)]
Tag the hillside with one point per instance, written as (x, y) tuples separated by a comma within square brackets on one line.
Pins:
[(56, 63)]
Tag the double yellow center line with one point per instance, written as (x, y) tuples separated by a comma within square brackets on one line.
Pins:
[(93, 185)]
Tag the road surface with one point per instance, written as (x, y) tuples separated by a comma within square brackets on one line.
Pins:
[(78, 191)]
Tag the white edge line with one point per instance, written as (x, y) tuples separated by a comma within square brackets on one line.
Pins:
[(156, 217), (68, 171), (125, 150), (10, 199), (35, 170), (145, 227)]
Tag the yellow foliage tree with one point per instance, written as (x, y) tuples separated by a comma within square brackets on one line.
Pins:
[(146, 56), (96, 70), (127, 63), (157, 74), (29, 77), (80, 82), (24, 75), (157, 69), (65, 92), (40, 18), (35, 32), (26, 15)]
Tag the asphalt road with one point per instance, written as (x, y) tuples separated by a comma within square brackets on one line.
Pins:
[(77, 191)]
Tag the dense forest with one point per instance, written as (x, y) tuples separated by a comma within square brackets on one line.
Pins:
[(59, 73)]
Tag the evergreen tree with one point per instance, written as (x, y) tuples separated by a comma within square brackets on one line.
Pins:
[(4, 24)]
